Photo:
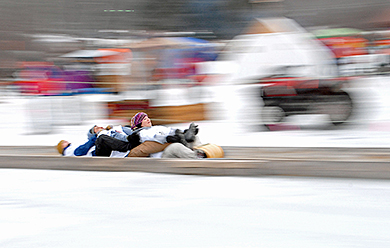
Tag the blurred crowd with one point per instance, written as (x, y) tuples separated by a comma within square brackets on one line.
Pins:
[(63, 65), (101, 66), (359, 52)]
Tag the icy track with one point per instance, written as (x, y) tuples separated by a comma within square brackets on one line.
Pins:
[(118, 209)]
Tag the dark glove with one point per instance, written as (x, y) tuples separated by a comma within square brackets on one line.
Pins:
[(133, 139), (173, 139), (177, 138)]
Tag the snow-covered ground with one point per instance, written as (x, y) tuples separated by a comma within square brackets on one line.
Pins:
[(42, 208), (233, 119), (125, 209)]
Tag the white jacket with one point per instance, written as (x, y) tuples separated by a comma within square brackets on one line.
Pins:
[(156, 133)]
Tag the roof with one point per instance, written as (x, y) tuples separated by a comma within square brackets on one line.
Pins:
[(273, 25)]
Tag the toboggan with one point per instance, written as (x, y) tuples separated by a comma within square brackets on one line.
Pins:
[(211, 150)]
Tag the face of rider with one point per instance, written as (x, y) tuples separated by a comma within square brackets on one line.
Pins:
[(97, 129), (65, 144), (146, 122)]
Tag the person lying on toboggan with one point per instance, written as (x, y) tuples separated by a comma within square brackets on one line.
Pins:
[(142, 139)]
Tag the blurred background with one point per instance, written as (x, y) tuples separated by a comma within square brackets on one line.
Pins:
[(232, 66), (68, 62)]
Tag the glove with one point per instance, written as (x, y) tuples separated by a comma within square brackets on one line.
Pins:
[(133, 139), (173, 139), (177, 138)]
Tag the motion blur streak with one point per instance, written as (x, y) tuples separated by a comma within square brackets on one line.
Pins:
[(115, 209)]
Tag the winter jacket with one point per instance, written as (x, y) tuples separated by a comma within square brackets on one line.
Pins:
[(86, 149), (155, 133)]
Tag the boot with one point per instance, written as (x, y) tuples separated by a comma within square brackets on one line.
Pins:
[(189, 134), (200, 154)]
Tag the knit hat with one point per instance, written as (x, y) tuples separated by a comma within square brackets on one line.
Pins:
[(137, 119), (91, 132), (60, 149)]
